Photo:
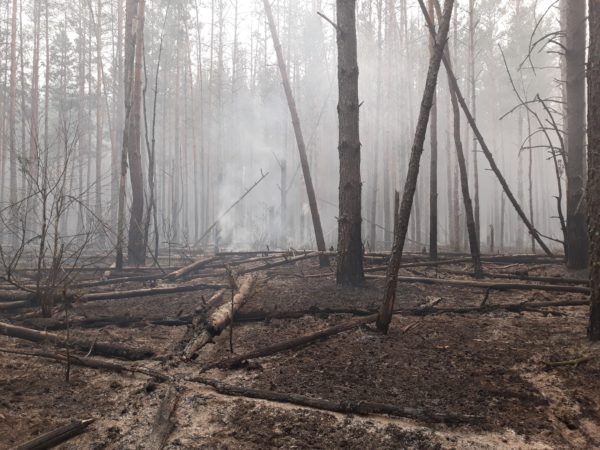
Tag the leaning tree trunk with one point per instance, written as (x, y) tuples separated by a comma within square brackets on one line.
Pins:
[(401, 228), (470, 218), (577, 242), (488, 154), (350, 269), (310, 190), (593, 184)]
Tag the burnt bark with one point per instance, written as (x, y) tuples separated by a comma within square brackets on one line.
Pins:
[(433, 180), (136, 246), (593, 183), (350, 269), (575, 40)]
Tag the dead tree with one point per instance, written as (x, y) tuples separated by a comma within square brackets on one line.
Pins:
[(402, 219), (136, 246), (12, 113), (593, 183), (472, 83), (470, 215), (433, 180), (310, 190), (488, 154), (575, 41), (350, 269)]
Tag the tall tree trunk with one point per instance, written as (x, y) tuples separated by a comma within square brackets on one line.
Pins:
[(99, 112), (474, 241), (118, 105), (136, 248), (402, 219), (34, 143), (12, 112), (473, 83), (488, 154), (310, 191), (350, 269), (433, 175), (376, 149), (575, 68), (593, 183)]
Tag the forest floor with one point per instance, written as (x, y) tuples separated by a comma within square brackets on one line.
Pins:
[(488, 365)]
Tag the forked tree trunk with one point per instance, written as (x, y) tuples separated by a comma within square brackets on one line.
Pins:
[(577, 242), (350, 269), (385, 314), (593, 183), (310, 190)]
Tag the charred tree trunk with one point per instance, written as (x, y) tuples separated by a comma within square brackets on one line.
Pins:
[(474, 241), (99, 111), (472, 82), (433, 180), (310, 190), (488, 154), (12, 112), (34, 143), (593, 183), (385, 314), (575, 165), (350, 269), (134, 48)]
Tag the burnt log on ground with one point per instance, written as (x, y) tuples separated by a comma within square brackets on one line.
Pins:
[(90, 363), (220, 319), (340, 406), (491, 285), (146, 292), (301, 341), (91, 347), (190, 268), (56, 437), (164, 422)]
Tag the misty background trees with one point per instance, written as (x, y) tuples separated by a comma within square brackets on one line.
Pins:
[(181, 103)]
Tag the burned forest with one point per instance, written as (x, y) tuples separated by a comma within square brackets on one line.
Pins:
[(311, 224)]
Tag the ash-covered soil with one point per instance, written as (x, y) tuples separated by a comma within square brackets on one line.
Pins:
[(490, 366)]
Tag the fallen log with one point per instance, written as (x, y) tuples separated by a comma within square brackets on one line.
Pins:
[(220, 319), (236, 361), (90, 363), (14, 305), (99, 348), (491, 286), (571, 362), (340, 406), (14, 295), (522, 277), (270, 265), (196, 265), (113, 281), (146, 292), (56, 437), (163, 423)]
